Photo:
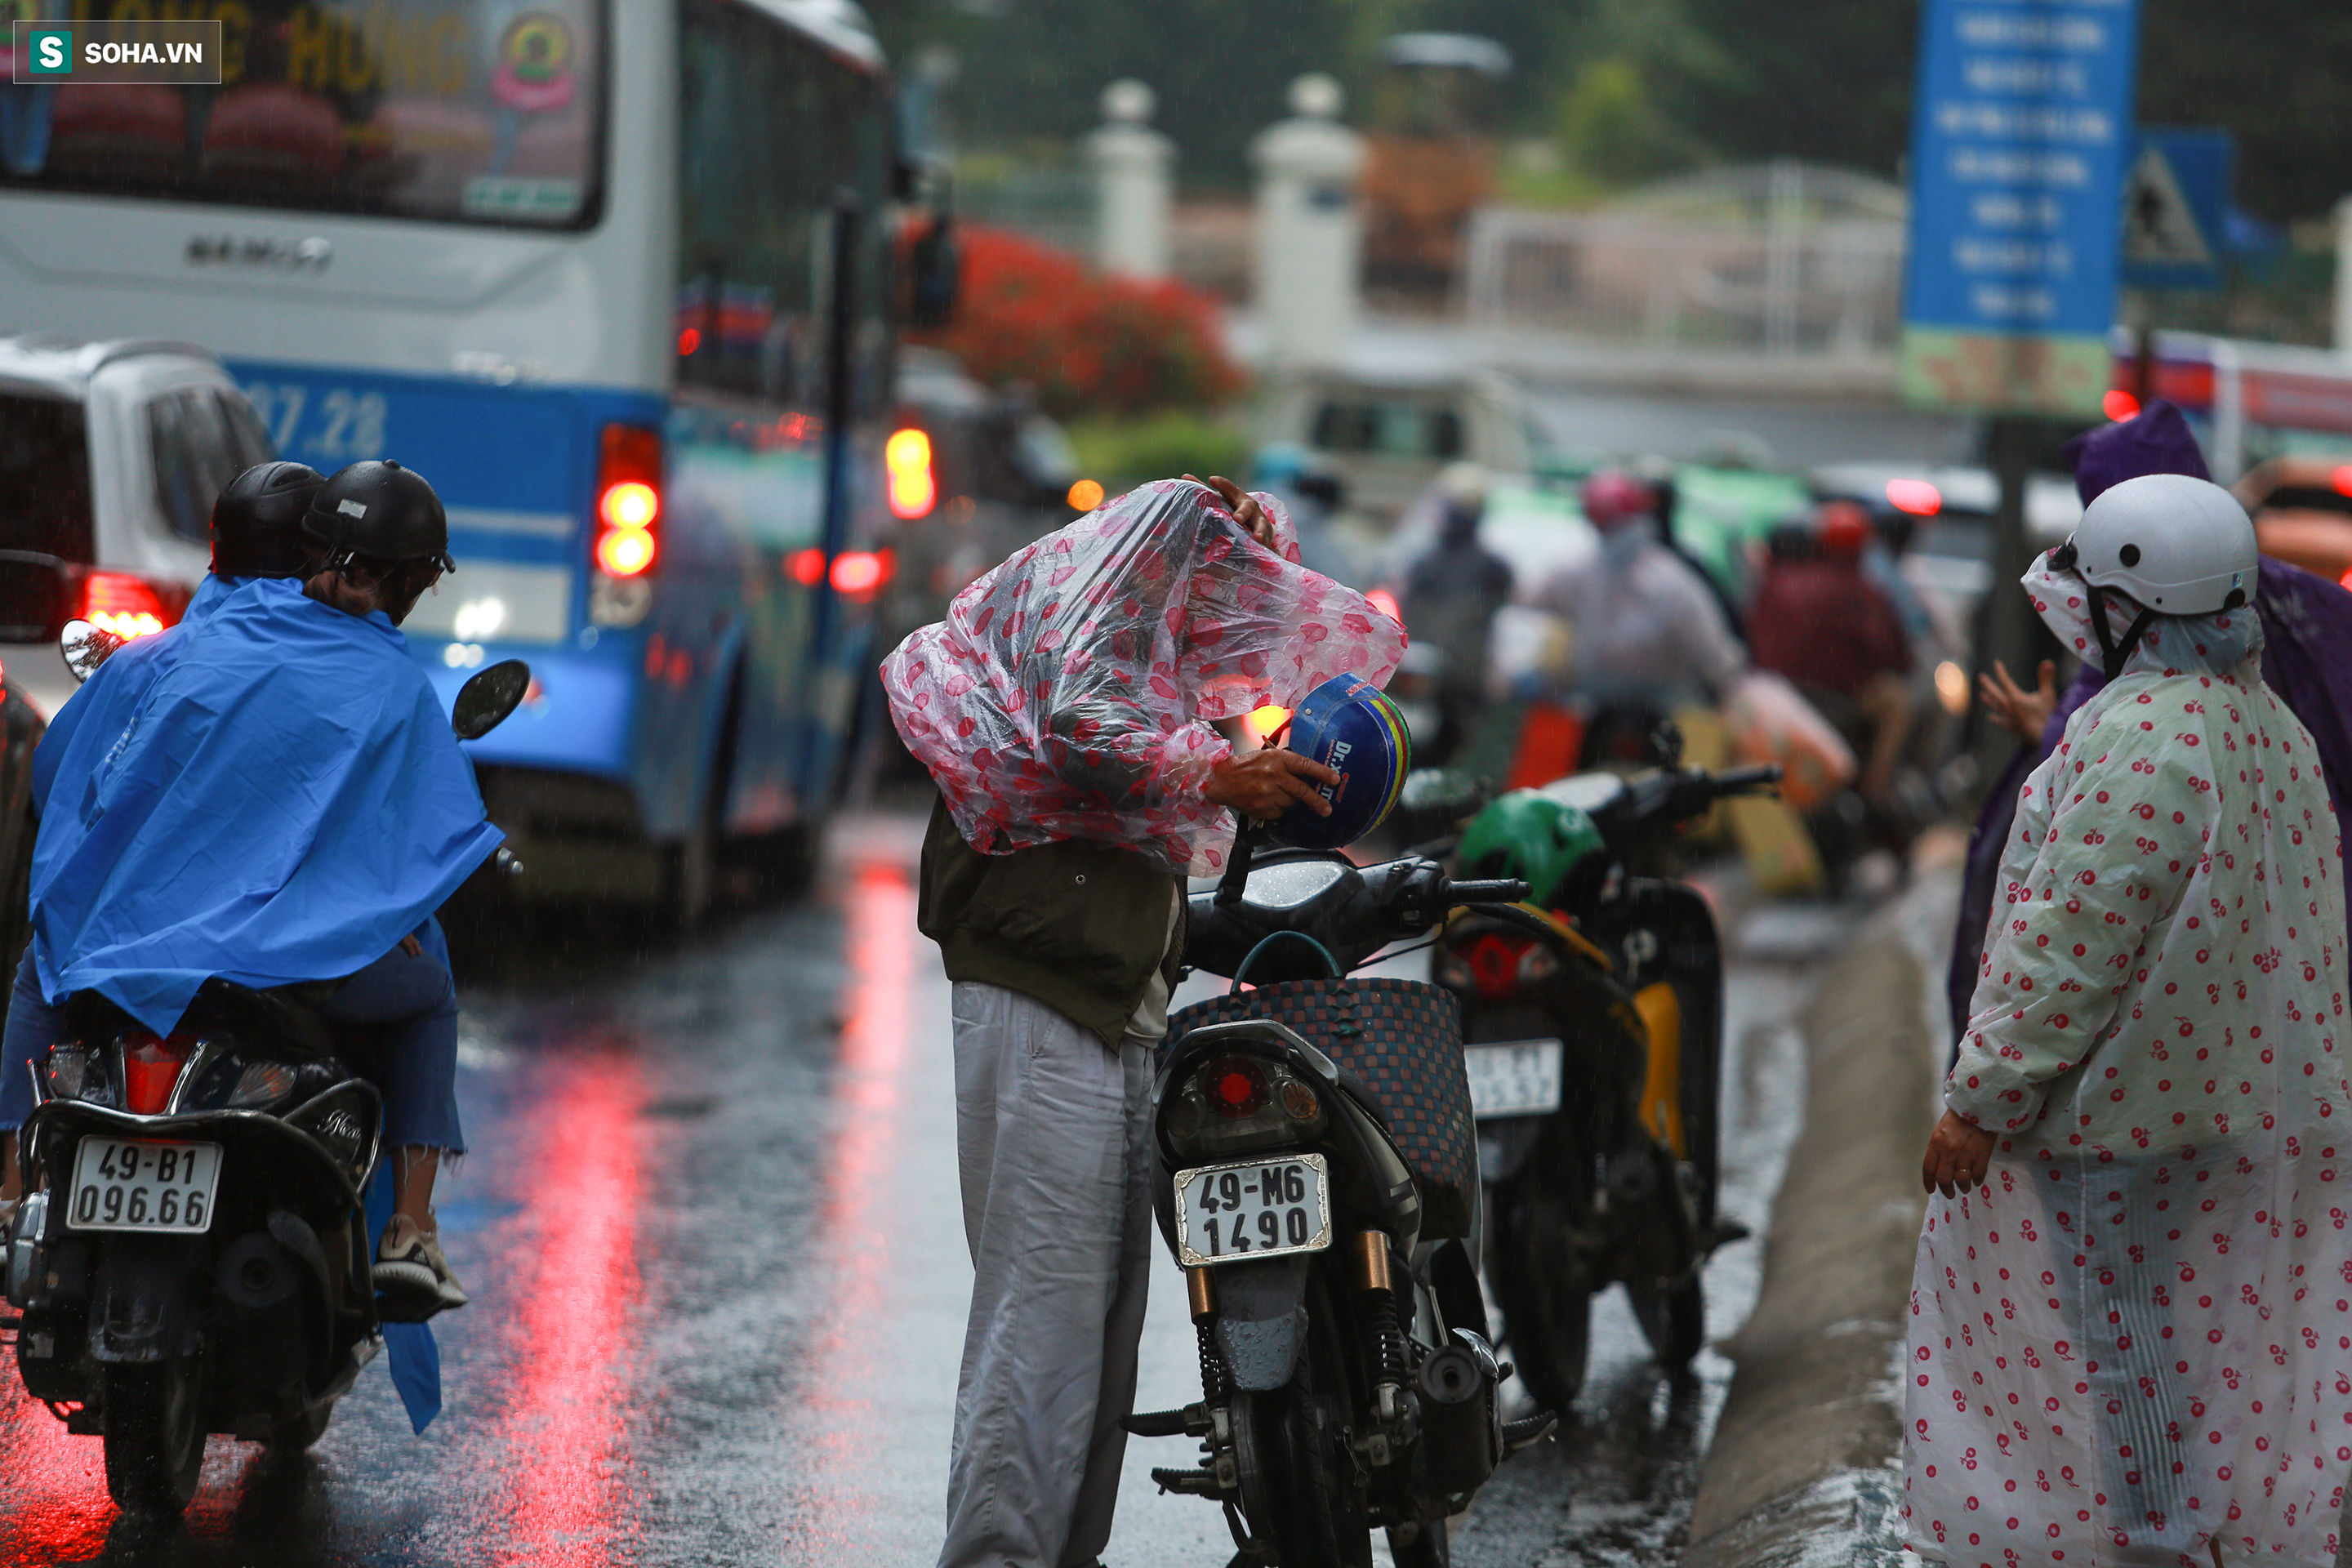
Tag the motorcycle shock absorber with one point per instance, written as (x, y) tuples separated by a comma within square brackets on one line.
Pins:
[(1391, 1365), (1200, 1296)]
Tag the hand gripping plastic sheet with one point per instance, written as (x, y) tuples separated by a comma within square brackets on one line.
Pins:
[(1067, 693)]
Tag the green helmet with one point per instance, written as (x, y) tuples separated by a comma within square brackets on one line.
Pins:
[(1536, 838)]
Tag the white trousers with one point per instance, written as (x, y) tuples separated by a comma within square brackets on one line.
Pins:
[(1052, 1141)]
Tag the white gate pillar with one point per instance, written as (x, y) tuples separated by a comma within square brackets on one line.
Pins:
[(1309, 233)]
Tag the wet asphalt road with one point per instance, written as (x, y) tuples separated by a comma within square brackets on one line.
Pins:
[(711, 1230)]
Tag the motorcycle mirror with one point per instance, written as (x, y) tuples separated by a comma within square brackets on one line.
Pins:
[(485, 701), (85, 647), (1443, 792)]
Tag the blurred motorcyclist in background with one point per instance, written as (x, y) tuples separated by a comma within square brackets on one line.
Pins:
[(1305, 484), (1450, 596), (1648, 633), (1657, 476), (1820, 620)]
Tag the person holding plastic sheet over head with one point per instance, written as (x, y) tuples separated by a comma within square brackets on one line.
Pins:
[(2130, 1336), (1063, 708), (2306, 660)]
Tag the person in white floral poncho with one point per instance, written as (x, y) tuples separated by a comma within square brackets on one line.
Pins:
[(2131, 1330)]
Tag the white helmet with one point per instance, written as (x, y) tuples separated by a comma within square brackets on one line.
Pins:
[(2177, 545)]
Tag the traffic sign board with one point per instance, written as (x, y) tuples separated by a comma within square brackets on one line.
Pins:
[(2176, 203), (2020, 127)]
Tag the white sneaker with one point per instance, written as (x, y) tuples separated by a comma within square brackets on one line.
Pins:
[(415, 1280)]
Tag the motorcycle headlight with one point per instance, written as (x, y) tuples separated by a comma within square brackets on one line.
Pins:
[(1235, 1104), (77, 1072)]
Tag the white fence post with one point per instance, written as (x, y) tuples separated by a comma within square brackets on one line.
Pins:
[(1309, 236), (1130, 162)]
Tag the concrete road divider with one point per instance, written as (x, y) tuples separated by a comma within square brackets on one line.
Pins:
[(1801, 1470)]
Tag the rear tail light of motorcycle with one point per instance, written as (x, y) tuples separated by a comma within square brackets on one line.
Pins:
[(150, 1067), (1234, 1105), (1497, 964), (77, 1072)]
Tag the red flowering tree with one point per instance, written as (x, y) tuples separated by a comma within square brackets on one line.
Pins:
[(1090, 345)]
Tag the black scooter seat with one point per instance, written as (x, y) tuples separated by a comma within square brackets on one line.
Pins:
[(286, 1014)]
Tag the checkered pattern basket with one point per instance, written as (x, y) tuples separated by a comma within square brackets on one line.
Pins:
[(1403, 1038)]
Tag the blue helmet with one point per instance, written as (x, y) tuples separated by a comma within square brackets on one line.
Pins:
[(1349, 726)]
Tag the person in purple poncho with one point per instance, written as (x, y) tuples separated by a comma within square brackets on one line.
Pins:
[(2306, 660)]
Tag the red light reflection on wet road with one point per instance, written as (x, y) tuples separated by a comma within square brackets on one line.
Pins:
[(562, 1439), (854, 1217), (53, 1504)]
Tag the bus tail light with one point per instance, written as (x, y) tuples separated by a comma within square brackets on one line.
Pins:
[(628, 499), (126, 605), (913, 489)]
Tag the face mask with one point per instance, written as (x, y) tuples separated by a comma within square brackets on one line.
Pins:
[(1622, 545), (2098, 625)]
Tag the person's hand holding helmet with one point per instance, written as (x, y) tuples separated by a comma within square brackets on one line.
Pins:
[(1266, 784)]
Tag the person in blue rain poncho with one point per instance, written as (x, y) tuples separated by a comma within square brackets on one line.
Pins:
[(287, 803), (256, 528)]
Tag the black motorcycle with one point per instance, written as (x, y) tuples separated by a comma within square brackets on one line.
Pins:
[(1347, 1381), (192, 1255), (1594, 1058)]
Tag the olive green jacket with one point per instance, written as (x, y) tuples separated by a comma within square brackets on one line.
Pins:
[(1078, 926)]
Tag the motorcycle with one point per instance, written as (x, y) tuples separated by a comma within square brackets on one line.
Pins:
[(192, 1255), (1348, 1380), (1593, 1057)]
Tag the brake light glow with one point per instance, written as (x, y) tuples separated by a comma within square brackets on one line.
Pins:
[(857, 572), (2119, 406), (126, 605), (1502, 963), (1086, 495), (907, 456), (628, 499), (1236, 1087), (631, 504), (807, 567), (150, 1067), (1917, 497), (1386, 604), (2342, 480)]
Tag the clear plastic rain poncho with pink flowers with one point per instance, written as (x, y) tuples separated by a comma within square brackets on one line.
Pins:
[(2135, 1338), (1068, 694)]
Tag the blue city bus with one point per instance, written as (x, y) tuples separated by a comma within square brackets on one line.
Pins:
[(617, 278)]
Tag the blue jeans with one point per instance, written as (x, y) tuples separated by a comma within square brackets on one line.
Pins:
[(410, 1001)]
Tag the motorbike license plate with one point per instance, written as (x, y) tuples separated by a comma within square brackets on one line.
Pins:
[(121, 1186), (1513, 1077), (1252, 1208)]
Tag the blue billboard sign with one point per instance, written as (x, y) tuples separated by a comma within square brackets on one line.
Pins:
[(2022, 131)]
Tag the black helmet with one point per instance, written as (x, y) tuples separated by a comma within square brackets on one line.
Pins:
[(257, 522), (380, 512)]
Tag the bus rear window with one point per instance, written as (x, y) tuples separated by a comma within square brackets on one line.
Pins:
[(44, 477), (460, 110)]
